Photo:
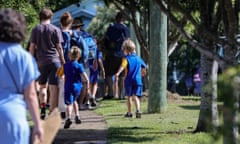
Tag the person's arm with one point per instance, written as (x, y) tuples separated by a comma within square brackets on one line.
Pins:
[(143, 68), (85, 79), (102, 67), (32, 48), (121, 68), (30, 97), (60, 51)]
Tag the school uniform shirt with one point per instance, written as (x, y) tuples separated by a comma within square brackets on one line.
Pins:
[(73, 84), (133, 81)]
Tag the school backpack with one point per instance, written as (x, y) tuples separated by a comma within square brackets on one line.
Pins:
[(91, 44), (74, 40), (115, 36)]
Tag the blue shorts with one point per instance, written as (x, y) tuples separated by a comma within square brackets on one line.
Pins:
[(71, 94), (70, 97), (131, 90), (48, 74)]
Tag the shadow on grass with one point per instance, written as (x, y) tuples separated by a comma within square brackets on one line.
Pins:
[(131, 134), (190, 107), (191, 98), (127, 134)]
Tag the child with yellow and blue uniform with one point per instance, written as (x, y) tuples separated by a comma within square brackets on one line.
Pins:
[(134, 68)]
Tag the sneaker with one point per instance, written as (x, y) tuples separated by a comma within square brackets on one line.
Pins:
[(78, 120), (67, 124), (138, 114), (43, 113), (93, 103), (63, 115), (88, 106), (128, 115)]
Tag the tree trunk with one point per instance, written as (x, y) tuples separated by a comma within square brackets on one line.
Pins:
[(158, 60), (208, 105)]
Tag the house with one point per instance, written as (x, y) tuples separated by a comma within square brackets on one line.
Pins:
[(85, 9)]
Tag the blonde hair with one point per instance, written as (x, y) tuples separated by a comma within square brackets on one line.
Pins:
[(66, 19), (74, 53), (128, 45)]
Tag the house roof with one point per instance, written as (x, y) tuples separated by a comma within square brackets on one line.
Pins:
[(86, 9)]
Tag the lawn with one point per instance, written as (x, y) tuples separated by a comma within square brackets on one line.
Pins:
[(174, 126)]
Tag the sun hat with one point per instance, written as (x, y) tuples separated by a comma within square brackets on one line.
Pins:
[(77, 22)]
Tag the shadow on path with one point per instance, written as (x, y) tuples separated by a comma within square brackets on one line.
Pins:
[(92, 130)]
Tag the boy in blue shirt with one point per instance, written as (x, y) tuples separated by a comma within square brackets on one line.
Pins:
[(134, 68), (75, 74)]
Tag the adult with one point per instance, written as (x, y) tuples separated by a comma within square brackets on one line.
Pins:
[(17, 82), (114, 37), (46, 40), (66, 22)]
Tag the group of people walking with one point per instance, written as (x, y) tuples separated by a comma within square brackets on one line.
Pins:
[(67, 53)]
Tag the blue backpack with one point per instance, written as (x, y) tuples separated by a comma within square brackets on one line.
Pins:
[(74, 40), (91, 44)]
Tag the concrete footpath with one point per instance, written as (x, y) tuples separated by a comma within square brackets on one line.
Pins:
[(92, 130)]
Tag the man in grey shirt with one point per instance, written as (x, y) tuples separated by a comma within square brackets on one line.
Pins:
[(45, 41)]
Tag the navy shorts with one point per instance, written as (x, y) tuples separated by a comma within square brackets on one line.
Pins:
[(48, 74), (131, 90)]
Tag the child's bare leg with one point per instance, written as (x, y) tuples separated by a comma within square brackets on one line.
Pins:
[(137, 103), (129, 104), (94, 87), (75, 108), (129, 107), (77, 116), (69, 111)]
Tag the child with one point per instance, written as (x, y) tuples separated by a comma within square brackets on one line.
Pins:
[(74, 75), (134, 68), (94, 72)]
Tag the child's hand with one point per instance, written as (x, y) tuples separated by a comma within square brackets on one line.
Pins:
[(143, 72), (60, 71), (95, 64)]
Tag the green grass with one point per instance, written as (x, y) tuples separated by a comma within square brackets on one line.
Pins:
[(174, 126)]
